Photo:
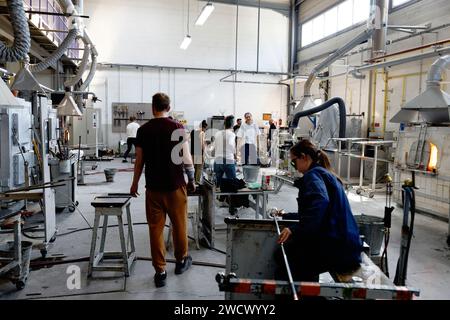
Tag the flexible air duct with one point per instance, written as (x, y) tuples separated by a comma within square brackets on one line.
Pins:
[(57, 54), (91, 74), (326, 105), (82, 67), (93, 68), (69, 7), (75, 25), (22, 41)]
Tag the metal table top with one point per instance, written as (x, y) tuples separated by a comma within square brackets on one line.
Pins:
[(107, 202)]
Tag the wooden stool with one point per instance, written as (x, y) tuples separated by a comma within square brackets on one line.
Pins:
[(106, 206)]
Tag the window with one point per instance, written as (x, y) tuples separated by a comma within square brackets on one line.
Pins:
[(396, 3), (331, 21), (318, 28), (345, 13), (361, 11), (338, 18), (307, 29)]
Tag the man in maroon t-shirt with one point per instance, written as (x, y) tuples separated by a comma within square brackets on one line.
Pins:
[(162, 145)]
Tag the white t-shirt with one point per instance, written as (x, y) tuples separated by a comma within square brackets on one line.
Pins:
[(249, 133), (132, 129), (225, 144)]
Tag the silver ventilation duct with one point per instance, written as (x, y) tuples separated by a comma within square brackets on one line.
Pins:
[(431, 106)]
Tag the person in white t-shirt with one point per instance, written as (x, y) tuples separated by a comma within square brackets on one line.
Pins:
[(132, 129), (248, 141), (225, 152)]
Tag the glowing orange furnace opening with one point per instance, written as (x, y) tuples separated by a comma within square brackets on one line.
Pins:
[(432, 164)]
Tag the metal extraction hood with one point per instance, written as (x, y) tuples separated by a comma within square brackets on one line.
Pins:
[(25, 81), (68, 107), (431, 106), (6, 97)]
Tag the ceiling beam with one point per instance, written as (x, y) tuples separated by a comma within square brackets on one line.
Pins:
[(265, 4)]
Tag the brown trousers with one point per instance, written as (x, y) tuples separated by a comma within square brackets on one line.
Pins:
[(174, 204)]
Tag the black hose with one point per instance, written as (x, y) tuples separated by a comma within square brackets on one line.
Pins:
[(326, 105), (411, 230), (402, 264), (22, 40)]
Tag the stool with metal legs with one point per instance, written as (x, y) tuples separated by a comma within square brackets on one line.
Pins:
[(105, 207)]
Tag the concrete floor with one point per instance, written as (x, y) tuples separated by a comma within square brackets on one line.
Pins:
[(429, 262)]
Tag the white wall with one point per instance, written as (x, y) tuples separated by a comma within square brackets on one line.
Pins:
[(150, 32), (356, 92)]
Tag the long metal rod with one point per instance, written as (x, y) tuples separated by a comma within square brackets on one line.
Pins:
[(236, 45), (437, 43), (425, 27), (257, 82), (259, 28), (56, 14), (125, 65), (286, 262)]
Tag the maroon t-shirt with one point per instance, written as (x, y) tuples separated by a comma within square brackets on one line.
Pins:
[(155, 138)]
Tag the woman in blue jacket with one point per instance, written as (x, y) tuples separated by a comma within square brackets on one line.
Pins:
[(326, 239)]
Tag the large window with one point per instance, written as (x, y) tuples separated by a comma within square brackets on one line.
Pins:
[(396, 3), (338, 18)]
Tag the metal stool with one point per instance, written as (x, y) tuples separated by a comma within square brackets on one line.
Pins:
[(112, 206), (194, 216)]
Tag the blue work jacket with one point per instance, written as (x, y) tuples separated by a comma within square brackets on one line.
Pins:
[(326, 222)]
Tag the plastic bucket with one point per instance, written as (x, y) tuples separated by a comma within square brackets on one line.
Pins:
[(250, 173), (109, 174), (372, 228)]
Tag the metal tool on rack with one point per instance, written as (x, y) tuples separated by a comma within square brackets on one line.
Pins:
[(274, 214)]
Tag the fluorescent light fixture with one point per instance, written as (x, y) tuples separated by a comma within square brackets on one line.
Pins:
[(204, 15), (186, 42)]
